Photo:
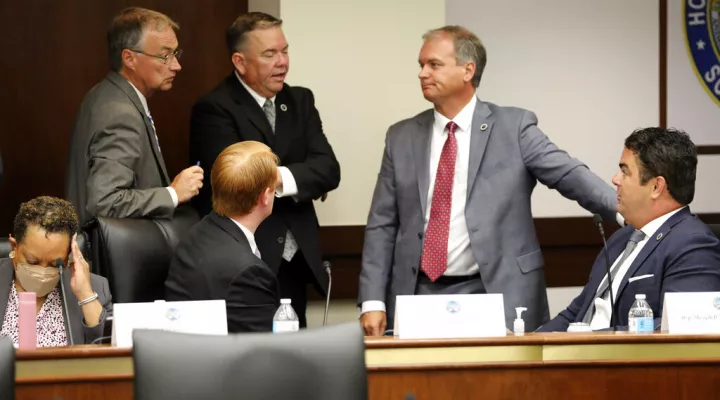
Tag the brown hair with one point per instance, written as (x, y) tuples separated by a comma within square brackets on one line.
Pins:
[(468, 48), (51, 214), (127, 30), (240, 174), (237, 32)]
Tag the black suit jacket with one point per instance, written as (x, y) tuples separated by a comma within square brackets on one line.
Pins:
[(229, 114), (215, 262)]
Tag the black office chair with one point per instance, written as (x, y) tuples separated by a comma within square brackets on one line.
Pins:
[(319, 364), (715, 228), (7, 369), (135, 254)]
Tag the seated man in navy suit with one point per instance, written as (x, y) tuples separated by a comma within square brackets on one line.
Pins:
[(664, 248)]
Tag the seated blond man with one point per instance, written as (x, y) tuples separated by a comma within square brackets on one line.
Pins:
[(219, 258)]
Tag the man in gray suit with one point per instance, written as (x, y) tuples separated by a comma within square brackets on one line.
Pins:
[(115, 166), (451, 209)]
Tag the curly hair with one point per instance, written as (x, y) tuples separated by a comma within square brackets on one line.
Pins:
[(49, 213)]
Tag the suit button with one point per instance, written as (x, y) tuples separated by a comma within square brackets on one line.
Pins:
[(420, 235), (281, 239), (414, 270)]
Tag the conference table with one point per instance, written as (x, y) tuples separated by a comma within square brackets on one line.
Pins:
[(535, 366)]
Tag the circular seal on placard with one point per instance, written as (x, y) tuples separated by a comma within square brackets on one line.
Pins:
[(702, 38), (452, 307), (716, 303), (172, 314)]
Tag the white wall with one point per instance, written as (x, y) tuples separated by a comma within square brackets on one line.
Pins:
[(360, 60), (588, 69), (691, 108), (688, 105)]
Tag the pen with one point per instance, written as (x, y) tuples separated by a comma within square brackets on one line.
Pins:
[(197, 164)]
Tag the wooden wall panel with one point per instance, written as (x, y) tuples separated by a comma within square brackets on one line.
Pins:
[(53, 52)]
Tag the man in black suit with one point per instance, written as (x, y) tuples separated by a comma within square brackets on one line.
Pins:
[(219, 258), (254, 103)]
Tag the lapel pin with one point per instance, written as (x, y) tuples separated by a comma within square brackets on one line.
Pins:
[(659, 236), (283, 107), (483, 127)]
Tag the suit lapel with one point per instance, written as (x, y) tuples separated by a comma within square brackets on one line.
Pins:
[(125, 86), (421, 151), (251, 109), (599, 271), (285, 109), (481, 127), (651, 244), (76, 316), (7, 272)]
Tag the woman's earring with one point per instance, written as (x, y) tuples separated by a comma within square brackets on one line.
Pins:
[(12, 254)]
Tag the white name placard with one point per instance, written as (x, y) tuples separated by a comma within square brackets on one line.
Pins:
[(691, 313), (449, 316), (201, 317)]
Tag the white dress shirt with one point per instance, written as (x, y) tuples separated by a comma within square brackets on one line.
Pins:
[(289, 186), (601, 317), (249, 235), (461, 260), (143, 100)]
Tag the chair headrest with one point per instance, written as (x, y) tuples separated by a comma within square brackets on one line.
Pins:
[(326, 363)]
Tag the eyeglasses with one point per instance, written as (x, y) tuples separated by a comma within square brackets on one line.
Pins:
[(166, 59)]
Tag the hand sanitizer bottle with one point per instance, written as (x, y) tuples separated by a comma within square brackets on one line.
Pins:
[(519, 324)]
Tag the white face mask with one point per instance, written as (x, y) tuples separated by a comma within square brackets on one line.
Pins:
[(34, 278)]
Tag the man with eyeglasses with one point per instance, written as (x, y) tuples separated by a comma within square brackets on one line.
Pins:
[(115, 164)]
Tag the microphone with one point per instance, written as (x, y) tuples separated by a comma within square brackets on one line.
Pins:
[(597, 218), (326, 266), (59, 265), (100, 339)]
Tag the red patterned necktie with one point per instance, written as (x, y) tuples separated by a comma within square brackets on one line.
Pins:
[(435, 248)]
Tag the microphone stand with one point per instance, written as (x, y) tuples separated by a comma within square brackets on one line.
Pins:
[(326, 266), (59, 265), (598, 221)]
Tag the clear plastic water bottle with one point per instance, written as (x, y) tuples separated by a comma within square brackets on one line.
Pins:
[(285, 319), (640, 317)]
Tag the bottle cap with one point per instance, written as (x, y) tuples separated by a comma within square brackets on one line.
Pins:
[(285, 301), (519, 311)]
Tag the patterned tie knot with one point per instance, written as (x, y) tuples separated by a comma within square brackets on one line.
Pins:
[(637, 236), (451, 126)]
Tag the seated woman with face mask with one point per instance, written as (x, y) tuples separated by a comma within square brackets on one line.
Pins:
[(43, 231)]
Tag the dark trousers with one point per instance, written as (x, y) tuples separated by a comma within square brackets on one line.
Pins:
[(444, 285), (450, 285), (294, 277)]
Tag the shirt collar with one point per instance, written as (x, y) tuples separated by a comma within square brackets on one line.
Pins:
[(651, 227), (249, 235), (463, 119), (260, 100), (143, 100)]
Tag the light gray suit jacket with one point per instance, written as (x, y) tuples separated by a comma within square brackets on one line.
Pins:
[(82, 334), (115, 168), (506, 161)]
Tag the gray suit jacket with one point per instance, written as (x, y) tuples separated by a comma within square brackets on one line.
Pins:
[(82, 334), (115, 168), (506, 161)]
